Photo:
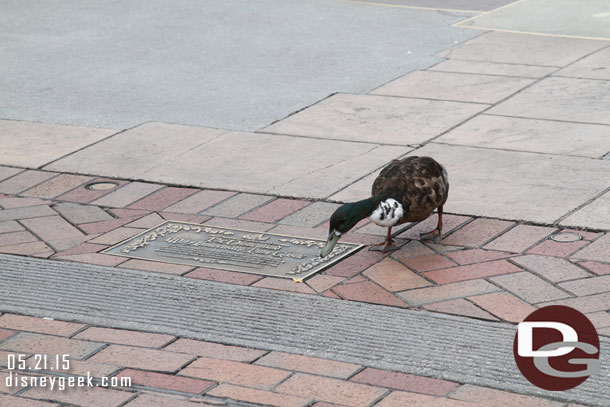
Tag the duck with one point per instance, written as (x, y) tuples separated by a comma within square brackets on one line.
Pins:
[(406, 190)]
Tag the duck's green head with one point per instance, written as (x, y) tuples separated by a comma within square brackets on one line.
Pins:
[(345, 218)]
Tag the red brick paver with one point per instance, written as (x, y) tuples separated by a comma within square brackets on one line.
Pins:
[(331, 390), (224, 276), (503, 305), (284, 285), (137, 264), (599, 250), (166, 381), (142, 358), (428, 262), (403, 381), (12, 401), (200, 201), (258, 396), (587, 286), (24, 180), (308, 364), (238, 373), (559, 249), (37, 249), (39, 325), (85, 396), (367, 291), (125, 337), (597, 268), (589, 303), (323, 282), (477, 232), (404, 399), (215, 350), (464, 257), (356, 263), (447, 291), (472, 271), (12, 238), (84, 195), (460, 306), (486, 396), (57, 186), (18, 202), (393, 276), (519, 238), (162, 199), (50, 345)]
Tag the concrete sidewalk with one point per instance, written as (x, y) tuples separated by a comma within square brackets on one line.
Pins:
[(520, 121), (518, 113)]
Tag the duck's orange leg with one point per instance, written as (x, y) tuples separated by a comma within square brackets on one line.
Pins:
[(386, 246), (437, 234)]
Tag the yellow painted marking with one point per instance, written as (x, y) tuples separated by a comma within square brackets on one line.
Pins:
[(489, 12), (461, 25), (297, 280), (370, 3), (581, 37)]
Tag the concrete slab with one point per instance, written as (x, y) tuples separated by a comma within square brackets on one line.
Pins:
[(458, 87), (525, 49), (595, 66), (376, 119), (358, 190), (578, 18), (276, 164), (493, 68), (33, 145), (517, 185), (595, 215), (135, 151), (542, 136), (337, 175), (556, 98), (239, 65)]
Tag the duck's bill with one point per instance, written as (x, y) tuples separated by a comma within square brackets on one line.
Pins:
[(330, 244)]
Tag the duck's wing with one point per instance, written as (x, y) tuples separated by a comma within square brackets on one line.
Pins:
[(419, 183)]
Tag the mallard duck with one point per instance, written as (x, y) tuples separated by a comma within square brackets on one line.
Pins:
[(407, 190)]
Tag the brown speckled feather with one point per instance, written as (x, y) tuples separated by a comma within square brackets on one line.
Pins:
[(419, 183)]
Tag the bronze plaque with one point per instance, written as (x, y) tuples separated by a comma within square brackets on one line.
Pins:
[(222, 248)]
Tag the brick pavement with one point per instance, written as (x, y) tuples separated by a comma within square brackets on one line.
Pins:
[(483, 268), (520, 118), (168, 371)]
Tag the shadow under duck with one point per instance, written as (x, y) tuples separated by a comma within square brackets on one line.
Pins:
[(406, 190)]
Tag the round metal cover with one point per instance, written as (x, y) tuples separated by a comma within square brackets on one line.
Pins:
[(566, 237), (102, 186)]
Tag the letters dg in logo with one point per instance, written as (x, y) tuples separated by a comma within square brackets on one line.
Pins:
[(556, 348)]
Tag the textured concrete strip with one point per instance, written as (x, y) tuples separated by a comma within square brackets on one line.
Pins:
[(441, 346)]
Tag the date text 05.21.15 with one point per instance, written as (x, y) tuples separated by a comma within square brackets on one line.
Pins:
[(17, 361)]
